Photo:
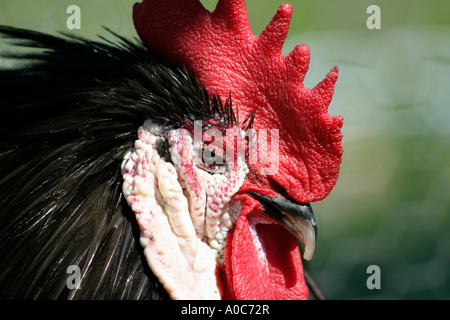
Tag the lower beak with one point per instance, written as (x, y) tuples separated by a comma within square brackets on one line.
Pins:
[(297, 218)]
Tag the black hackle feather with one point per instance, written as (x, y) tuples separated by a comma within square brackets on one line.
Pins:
[(69, 112)]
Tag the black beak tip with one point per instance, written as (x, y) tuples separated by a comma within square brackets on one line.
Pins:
[(297, 218)]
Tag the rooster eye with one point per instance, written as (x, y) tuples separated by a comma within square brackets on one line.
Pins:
[(211, 161), (212, 157)]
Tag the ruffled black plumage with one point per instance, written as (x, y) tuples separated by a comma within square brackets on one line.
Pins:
[(68, 114)]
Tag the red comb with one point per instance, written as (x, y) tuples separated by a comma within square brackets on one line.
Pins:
[(221, 50)]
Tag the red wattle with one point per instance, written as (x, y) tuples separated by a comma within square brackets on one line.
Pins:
[(246, 276)]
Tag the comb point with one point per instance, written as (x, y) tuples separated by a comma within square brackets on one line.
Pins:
[(298, 62), (275, 33), (324, 90)]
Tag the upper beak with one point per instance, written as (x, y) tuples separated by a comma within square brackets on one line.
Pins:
[(297, 218)]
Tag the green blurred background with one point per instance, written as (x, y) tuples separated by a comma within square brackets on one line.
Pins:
[(391, 204)]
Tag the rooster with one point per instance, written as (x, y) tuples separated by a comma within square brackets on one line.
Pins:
[(141, 163)]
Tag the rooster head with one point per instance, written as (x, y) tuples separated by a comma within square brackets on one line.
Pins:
[(222, 199)]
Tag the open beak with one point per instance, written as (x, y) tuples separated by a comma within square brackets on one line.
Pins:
[(297, 218)]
